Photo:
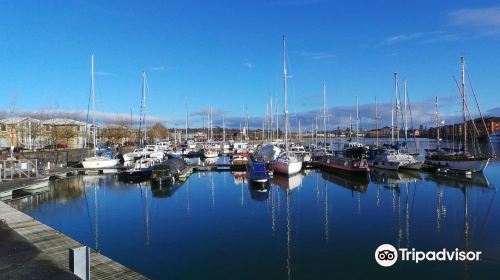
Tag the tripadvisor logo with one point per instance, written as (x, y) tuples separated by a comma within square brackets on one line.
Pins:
[(387, 255)]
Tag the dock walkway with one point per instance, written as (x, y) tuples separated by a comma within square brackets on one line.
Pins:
[(56, 245)]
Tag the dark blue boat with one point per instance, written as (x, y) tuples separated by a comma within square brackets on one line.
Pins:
[(257, 172)]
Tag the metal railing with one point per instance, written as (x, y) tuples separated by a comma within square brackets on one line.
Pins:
[(18, 168)]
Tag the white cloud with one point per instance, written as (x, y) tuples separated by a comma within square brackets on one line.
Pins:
[(158, 68), (479, 17), (318, 55), (100, 73), (426, 37), (249, 65)]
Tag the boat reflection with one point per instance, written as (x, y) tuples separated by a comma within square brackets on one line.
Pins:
[(354, 183), (288, 182), (457, 181), (210, 161), (164, 191), (259, 192), (240, 177), (393, 179)]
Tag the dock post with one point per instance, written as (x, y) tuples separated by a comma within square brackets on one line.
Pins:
[(79, 262)]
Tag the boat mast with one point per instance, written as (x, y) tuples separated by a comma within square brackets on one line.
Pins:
[(271, 130), (324, 115), (211, 125), (186, 109), (143, 107), (93, 105), (392, 125), (277, 120), (286, 98), (357, 118), (397, 105), (464, 104), (437, 121), (376, 120), (405, 123), (247, 137), (300, 137), (223, 132)]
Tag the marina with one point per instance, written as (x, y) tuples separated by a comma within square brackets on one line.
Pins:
[(311, 219), (283, 139)]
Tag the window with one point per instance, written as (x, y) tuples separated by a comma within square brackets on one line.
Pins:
[(3, 128), (47, 128)]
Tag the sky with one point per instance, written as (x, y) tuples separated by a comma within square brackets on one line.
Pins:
[(228, 55)]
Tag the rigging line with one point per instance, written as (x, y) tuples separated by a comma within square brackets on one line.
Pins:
[(488, 214), (411, 122), (466, 106), (480, 114)]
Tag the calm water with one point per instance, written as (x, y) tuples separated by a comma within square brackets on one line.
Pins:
[(311, 226)]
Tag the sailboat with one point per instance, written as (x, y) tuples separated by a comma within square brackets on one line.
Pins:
[(286, 163), (97, 161), (461, 160), (393, 157), (352, 159)]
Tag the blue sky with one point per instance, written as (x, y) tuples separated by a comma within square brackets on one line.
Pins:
[(227, 54)]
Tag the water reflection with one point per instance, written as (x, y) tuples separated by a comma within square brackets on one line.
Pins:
[(310, 214), (288, 182), (353, 183)]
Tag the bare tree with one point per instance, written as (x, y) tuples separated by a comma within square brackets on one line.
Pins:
[(157, 131)]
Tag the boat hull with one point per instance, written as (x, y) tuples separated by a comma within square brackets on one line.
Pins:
[(99, 162), (389, 165), (287, 168), (412, 165), (345, 165), (461, 165)]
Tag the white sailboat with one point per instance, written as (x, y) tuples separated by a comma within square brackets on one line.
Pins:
[(97, 161), (286, 163)]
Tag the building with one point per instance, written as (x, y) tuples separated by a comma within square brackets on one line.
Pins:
[(23, 132), (30, 133), (63, 133)]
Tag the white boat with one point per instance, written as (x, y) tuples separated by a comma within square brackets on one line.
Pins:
[(210, 153), (383, 162), (99, 162), (96, 161), (150, 151), (392, 159), (286, 163)]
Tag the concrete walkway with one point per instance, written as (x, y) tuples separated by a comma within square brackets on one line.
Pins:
[(54, 247), (20, 259)]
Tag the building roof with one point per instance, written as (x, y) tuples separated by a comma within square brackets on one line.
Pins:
[(60, 121), (16, 120)]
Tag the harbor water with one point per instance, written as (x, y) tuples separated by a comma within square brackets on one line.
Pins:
[(314, 225)]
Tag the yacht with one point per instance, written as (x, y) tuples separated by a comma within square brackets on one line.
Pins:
[(463, 159), (98, 160), (286, 163)]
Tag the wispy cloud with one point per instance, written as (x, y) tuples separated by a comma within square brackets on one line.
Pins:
[(158, 68), (412, 37), (318, 55), (487, 20), (248, 65), (100, 73)]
